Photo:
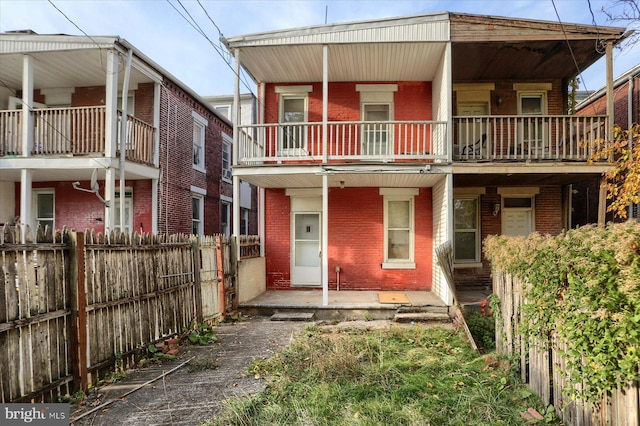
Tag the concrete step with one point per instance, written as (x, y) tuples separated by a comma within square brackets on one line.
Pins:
[(293, 316), (423, 309), (409, 317)]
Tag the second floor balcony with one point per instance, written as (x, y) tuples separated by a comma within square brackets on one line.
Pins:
[(474, 139), (74, 131)]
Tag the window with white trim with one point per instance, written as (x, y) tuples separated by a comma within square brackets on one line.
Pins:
[(197, 212), (128, 208), (244, 221), (225, 215), (466, 229), (199, 124), (399, 229), (226, 158), (44, 208)]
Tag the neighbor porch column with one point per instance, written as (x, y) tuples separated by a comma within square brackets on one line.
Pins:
[(602, 199), (325, 239), (26, 214)]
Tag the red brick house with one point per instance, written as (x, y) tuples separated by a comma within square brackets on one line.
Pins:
[(61, 123), (378, 141), (626, 110)]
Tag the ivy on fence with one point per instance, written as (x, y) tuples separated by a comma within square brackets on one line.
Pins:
[(584, 285)]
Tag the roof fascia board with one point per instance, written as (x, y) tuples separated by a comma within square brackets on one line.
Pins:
[(320, 30)]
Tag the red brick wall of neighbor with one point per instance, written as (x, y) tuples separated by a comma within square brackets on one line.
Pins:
[(176, 163), (80, 210), (356, 242), (620, 105), (548, 220)]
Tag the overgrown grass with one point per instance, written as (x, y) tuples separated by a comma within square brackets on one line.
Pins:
[(398, 376)]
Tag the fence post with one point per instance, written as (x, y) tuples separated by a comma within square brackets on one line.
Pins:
[(195, 251), (221, 274), (78, 305)]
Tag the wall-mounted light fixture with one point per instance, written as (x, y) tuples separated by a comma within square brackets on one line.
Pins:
[(498, 100), (341, 184), (496, 209)]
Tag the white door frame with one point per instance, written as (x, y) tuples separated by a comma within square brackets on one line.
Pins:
[(305, 276)]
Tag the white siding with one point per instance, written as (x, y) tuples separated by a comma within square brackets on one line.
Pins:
[(441, 198)]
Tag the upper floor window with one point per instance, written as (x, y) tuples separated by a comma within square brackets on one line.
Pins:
[(199, 124), (293, 112), (226, 157), (224, 110)]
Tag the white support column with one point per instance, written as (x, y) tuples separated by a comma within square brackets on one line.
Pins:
[(156, 124), (610, 95), (26, 215), (27, 105), (325, 102), (261, 219), (325, 239), (111, 137)]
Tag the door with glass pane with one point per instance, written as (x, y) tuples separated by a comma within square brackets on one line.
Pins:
[(532, 125), (305, 262), (292, 134), (128, 217), (472, 132), (466, 232), (376, 129)]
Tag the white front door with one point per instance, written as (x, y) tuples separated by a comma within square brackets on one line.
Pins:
[(472, 133), (305, 242), (517, 216)]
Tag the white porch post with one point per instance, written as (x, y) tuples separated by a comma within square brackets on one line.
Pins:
[(325, 239), (325, 101), (26, 214), (602, 201), (111, 137), (123, 137), (261, 192), (155, 198)]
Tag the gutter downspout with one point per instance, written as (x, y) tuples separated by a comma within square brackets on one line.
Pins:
[(123, 137)]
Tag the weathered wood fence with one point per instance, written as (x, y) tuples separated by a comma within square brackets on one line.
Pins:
[(74, 306), (542, 366)]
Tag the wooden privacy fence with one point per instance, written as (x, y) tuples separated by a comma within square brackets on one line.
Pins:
[(542, 366), (77, 305)]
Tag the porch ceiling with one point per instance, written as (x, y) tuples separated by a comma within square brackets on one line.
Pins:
[(347, 62), (58, 69), (532, 179), (520, 60), (388, 176)]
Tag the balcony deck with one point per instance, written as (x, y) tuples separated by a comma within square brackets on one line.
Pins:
[(76, 131), (474, 139)]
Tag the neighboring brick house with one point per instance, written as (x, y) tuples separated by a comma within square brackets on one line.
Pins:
[(378, 141), (626, 109), (60, 116)]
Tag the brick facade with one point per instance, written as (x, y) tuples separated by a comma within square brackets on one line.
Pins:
[(356, 241)]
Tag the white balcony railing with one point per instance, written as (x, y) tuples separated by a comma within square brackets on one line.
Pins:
[(523, 138), (73, 131), (374, 141)]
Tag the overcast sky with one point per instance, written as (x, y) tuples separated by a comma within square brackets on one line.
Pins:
[(158, 28)]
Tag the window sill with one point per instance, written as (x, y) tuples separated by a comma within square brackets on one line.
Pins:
[(399, 265), (467, 265), (199, 169)]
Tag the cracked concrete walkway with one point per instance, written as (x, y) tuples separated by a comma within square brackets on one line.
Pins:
[(191, 398)]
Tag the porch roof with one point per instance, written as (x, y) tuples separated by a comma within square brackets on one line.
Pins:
[(412, 49)]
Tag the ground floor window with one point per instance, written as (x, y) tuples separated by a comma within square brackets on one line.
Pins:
[(197, 211), (44, 208), (398, 227), (225, 215)]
